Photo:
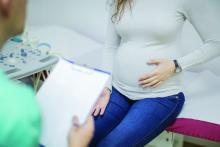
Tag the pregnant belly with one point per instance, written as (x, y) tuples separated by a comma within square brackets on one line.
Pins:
[(131, 63)]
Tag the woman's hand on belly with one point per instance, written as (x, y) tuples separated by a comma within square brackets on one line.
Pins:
[(165, 69), (102, 103)]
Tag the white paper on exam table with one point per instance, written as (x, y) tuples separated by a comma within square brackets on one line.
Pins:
[(69, 90)]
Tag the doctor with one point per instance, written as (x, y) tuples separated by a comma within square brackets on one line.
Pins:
[(20, 119)]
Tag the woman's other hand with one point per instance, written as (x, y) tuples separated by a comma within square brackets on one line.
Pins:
[(102, 103), (165, 69), (80, 136)]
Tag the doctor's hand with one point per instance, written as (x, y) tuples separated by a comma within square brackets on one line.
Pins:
[(102, 103), (80, 136), (165, 69)]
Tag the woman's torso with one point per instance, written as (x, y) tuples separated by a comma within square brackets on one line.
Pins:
[(150, 30)]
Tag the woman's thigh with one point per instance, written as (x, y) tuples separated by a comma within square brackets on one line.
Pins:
[(116, 110), (145, 120)]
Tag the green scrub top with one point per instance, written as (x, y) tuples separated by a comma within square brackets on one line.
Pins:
[(20, 119)]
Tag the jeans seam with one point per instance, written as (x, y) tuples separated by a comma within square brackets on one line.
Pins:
[(112, 128), (159, 124), (109, 129)]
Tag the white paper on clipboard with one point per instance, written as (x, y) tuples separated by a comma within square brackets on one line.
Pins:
[(69, 90)]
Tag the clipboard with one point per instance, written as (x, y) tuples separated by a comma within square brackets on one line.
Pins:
[(70, 90)]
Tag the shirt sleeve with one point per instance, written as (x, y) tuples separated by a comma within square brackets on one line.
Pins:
[(112, 41), (204, 16), (20, 118)]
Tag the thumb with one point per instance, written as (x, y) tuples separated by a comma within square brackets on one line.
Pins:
[(154, 61)]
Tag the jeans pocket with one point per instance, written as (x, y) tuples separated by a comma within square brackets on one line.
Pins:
[(177, 98)]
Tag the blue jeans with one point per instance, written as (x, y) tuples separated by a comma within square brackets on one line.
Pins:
[(129, 123)]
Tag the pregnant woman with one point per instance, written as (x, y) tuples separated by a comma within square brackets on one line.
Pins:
[(143, 52)]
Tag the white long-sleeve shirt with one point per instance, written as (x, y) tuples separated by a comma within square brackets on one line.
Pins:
[(152, 30)]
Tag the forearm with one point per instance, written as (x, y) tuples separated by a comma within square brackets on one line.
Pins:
[(210, 50)]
